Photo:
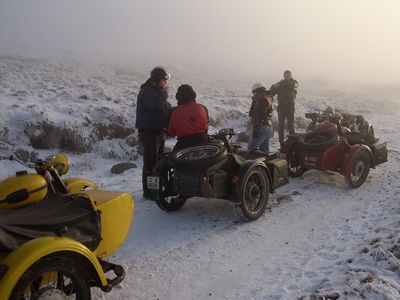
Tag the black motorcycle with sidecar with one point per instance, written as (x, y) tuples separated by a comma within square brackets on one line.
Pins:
[(218, 169)]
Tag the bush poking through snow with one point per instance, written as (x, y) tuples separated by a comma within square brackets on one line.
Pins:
[(47, 136)]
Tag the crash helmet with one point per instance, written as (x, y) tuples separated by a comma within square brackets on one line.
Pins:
[(257, 86), (159, 73), (60, 162)]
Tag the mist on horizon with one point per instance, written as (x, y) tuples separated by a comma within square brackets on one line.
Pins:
[(339, 40)]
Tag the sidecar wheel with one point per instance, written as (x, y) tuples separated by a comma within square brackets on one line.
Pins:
[(359, 169), (53, 277), (254, 193)]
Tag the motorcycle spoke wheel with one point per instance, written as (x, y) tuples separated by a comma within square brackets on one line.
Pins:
[(56, 285), (254, 193), (198, 152), (56, 278), (359, 171)]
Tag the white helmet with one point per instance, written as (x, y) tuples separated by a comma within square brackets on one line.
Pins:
[(257, 86)]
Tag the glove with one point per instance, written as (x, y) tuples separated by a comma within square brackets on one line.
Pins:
[(166, 89)]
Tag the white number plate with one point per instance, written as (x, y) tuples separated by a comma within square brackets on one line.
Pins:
[(153, 182)]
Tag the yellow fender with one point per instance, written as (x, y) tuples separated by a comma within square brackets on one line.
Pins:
[(19, 260), (76, 185)]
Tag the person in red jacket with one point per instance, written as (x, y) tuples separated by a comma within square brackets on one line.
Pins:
[(189, 120)]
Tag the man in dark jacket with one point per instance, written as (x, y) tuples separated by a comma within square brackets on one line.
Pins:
[(286, 89), (152, 114), (189, 120)]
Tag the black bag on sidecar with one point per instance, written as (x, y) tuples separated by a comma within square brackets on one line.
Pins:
[(58, 215)]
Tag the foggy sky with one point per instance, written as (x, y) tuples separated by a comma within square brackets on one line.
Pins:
[(341, 40)]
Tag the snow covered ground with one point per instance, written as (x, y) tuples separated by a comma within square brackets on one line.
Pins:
[(317, 239)]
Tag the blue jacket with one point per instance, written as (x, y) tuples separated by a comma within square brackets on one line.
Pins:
[(152, 108)]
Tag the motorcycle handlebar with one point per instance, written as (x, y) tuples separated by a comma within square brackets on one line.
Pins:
[(223, 132), (13, 158)]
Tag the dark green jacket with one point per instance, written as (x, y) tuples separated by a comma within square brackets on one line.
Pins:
[(287, 92)]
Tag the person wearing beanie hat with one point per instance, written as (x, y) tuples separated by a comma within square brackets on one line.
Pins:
[(152, 115), (261, 114), (189, 120), (185, 94)]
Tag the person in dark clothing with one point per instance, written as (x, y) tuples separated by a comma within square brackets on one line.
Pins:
[(261, 114), (189, 120), (286, 89), (152, 115)]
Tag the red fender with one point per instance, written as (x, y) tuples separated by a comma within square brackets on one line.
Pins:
[(330, 159), (349, 157)]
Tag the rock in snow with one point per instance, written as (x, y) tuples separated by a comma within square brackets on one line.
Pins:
[(120, 168)]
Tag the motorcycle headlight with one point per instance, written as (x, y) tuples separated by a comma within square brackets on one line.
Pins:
[(60, 163)]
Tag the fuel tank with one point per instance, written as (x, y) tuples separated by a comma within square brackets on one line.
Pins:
[(22, 189)]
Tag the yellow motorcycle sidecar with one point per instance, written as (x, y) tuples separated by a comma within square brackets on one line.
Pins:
[(41, 265)]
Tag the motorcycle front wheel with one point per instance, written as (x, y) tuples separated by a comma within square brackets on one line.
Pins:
[(53, 277)]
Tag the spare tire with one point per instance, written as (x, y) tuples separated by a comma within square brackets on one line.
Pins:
[(199, 157), (318, 140)]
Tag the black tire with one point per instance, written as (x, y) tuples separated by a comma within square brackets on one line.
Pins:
[(310, 126), (171, 203), (294, 169), (60, 270), (318, 140), (199, 157), (254, 193), (359, 169), (166, 199)]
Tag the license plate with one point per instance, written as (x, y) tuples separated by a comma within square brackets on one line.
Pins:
[(153, 182)]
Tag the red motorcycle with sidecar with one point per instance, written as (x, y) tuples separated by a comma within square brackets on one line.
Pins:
[(335, 142)]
